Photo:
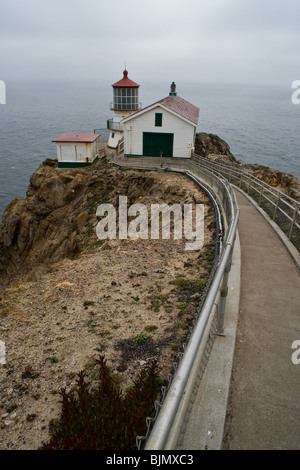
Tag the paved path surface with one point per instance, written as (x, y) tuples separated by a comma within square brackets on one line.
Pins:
[(264, 403)]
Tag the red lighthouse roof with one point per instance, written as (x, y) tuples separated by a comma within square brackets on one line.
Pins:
[(125, 82)]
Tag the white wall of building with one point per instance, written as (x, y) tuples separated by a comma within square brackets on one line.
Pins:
[(183, 132), (76, 151)]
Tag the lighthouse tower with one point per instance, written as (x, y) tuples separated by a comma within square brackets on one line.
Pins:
[(125, 102)]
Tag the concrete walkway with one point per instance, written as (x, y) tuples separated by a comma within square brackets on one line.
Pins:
[(264, 403), (248, 398)]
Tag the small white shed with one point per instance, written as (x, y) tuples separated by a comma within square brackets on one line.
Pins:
[(75, 150), (166, 128)]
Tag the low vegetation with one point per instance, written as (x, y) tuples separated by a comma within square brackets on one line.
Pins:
[(104, 418)]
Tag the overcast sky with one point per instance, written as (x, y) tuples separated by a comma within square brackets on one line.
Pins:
[(235, 41)]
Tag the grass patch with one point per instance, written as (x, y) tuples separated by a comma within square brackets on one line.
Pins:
[(141, 338), (150, 327)]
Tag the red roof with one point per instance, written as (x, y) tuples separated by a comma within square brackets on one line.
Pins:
[(182, 107), (125, 82), (76, 138), (176, 104)]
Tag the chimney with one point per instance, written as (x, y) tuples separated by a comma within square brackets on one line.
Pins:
[(173, 89)]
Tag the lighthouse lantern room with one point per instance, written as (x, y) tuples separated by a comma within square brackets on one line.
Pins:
[(125, 102)]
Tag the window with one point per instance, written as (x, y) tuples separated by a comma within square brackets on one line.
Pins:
[(158, 119), (126, 99)]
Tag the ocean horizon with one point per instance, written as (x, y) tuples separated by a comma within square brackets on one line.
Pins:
[(260, 123)]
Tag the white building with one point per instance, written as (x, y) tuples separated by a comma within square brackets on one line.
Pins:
[(166, 128), (125, 102), (75, 150)]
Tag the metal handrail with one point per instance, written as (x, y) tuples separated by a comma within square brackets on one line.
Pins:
[(114, 125), (166, 410), (282, 209), (164, 424), (220, 167), (160, 432)]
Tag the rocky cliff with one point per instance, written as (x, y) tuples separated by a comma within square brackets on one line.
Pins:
[(58, 219), (48, 223), (211, 144), (78, 297)]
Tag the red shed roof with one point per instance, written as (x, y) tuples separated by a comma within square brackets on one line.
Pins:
[(76, 138), (125, 82)]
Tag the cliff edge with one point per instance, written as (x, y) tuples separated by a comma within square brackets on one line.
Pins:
[(68, 297)]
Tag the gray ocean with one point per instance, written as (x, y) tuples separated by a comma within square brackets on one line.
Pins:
[(260, 123)]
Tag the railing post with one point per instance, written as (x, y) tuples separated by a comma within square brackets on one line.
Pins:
[(293, 222), (276, 207), (241, 180), (260, 195), (248, 186), (223, 296)]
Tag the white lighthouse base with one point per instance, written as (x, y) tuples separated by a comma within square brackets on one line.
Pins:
[(114, 139)]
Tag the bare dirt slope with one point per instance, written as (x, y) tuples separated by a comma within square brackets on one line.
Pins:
[(130, 300)]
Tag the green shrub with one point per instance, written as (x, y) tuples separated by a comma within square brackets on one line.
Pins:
[(105, 418)]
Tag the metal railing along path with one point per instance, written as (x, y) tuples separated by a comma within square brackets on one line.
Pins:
[(281, 208), (219, 178), (160, 428), (171, 415)]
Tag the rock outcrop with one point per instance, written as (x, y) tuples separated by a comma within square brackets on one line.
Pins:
[(58, 219), (73, 297), (211, 144)]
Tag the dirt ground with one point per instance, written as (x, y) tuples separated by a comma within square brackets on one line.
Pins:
[(131, 300)]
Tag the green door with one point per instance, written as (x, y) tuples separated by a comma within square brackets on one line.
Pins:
[(155, 143)]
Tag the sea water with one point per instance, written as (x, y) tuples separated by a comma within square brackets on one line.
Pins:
[(260, 123)]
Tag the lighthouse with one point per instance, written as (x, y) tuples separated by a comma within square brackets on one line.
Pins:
[(125, 102)]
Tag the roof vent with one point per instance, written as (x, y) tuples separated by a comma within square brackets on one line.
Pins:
[(173, 89)]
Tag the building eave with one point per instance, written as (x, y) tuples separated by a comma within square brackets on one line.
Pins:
[(76, 138)]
